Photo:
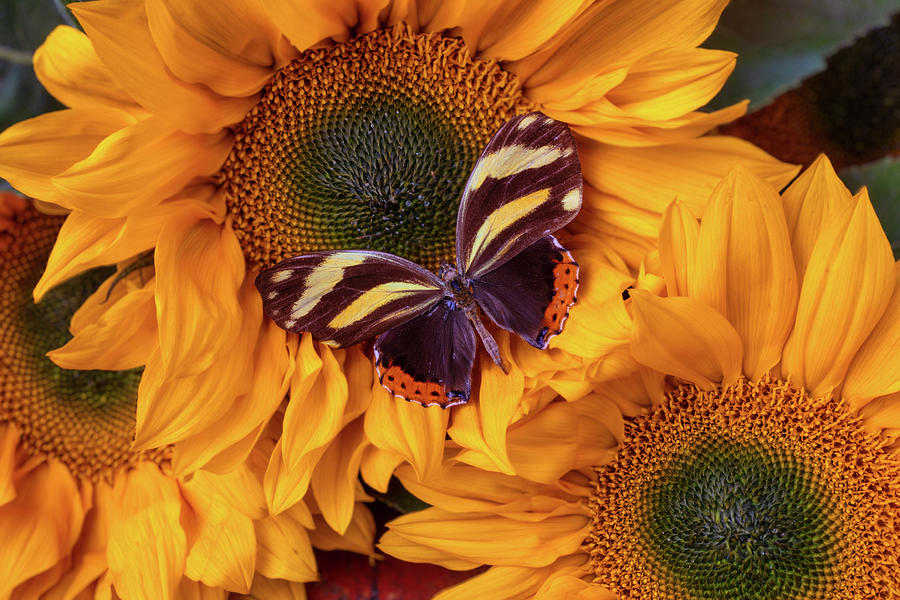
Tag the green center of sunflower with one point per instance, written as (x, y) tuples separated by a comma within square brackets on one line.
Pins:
[(753, 492), (85, 419), (365, 145)]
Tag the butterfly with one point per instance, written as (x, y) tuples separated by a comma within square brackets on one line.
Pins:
[(525, 185)]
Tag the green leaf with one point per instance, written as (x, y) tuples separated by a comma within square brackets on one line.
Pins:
[(781, 42), (882, 178)]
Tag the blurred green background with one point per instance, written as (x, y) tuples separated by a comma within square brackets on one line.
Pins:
[(821, 76)]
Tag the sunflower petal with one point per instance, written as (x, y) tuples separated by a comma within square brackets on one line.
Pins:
[(136, 165), (284, 549), (335, 477), (223, 549), (498, 583), (653, 177), (875, 371), (67, 65), (359, 536), (9, 440), (275, 589), (147, 546), (744, 267), (309, 23), (682, 337), (229, 46), (678, 247), (47, 500), (32, 152), (809, 202), (846, 289), (121, 37), (487, 538), (378, 466)]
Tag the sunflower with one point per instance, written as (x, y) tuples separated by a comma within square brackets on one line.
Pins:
[(753, 453), (81, 511), (224, 137)]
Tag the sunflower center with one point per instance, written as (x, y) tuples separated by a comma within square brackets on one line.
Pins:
[(85, 419), (365, 145), (752, 492)]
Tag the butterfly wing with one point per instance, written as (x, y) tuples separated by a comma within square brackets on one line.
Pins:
[(343, 297), (526, 184), (428, 359), (531, 293)]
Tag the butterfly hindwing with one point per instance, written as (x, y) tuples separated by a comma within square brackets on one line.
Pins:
[(526, 184), (345, 296), (531, 293), (428, 359)]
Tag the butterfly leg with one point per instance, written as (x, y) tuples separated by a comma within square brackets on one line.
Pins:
[(490, 344)]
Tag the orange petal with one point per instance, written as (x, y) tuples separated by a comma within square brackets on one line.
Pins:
[(744, 267), (682, 337), (32, 152), (410, 430), (672, 82), (68, 67), (482, 426), (40, 526), (284, 549), (378, 466), (121, 37), (147, 546), (336, 475), (359, 536), (223, 548), (199, 272), (9, 440), (312, 22), (876, 369), (486, 538), (137, 165), (122, 336), (810, 201), (499, 583), (882, 415), (609, 35), (275, 589), (653, 177), (229, 46), (678, 247), (566, 436), (846, 289)]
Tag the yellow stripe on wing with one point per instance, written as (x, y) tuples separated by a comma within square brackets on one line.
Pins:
[(499, 220), (377, 297), (322, 280), (509, 160)]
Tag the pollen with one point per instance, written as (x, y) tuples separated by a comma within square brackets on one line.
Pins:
[(751, 492), (365, 144), (85, 419)]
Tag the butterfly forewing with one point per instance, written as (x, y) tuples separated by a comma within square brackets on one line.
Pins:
[(526, 184), (346, 296)]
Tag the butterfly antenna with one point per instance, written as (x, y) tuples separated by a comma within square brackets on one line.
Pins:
[(490, 344)]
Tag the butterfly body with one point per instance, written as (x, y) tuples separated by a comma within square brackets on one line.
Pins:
[(509, 267)]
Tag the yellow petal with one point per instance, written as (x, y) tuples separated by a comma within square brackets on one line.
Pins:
[(147, 546), (653, 177), (498, 583), (609, 35), (846, 289), (9, 440), (284, 549), (876, 369), (194, 590), (335, 477), (809, 203), (229, 46), (744, 267), (122, 39), (672, 82), (882, 415), (410, 430), (167, 410), (573, 584), (69, 68), (223, 548), (378, 466), (240, 488), (40, 526), (566, 436), (32, 152), (487, 538), (682, 337), (482, 426), (275, 589), (358, 537), (678, 247), (137, 165), (311, 22), (200, 269)]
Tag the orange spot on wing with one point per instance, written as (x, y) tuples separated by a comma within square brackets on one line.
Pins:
[(565, 285), (427, 393)]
